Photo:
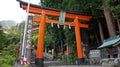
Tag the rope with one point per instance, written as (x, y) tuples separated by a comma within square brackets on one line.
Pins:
[(25, 29)]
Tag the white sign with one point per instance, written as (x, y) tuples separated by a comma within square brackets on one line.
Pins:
[(94, 53), (62, 17)]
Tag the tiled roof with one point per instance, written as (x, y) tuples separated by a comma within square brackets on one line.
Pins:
[(110, 42)]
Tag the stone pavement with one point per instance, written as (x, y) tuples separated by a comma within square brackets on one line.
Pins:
[(69, 66), (80, 66), (59, 64), (18, 65)]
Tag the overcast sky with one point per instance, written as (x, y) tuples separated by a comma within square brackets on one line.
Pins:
[(10, 10)]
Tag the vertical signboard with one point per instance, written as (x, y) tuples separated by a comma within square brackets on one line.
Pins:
[(29, 37), (62, 17)]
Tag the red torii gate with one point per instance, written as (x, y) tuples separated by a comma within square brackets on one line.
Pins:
[(43, 12)]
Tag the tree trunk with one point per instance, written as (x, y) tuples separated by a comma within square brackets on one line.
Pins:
[(85, 42), (101, 32), (118, 22), (97, 42), (109, 19)]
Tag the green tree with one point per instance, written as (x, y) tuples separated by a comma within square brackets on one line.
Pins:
[(105, 13), (2, 38), (7, 47)]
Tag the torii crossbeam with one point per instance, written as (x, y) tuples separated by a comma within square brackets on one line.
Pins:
[(43, 12)]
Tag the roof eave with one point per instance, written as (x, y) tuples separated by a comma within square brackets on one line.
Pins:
[(37, 6)]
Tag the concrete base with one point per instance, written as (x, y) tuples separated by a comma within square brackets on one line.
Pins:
[(39, 62)]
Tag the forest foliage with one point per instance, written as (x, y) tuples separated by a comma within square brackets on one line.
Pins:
[(9, 40)]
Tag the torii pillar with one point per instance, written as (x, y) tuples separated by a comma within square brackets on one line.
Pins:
[(40, 47), (78, 41)]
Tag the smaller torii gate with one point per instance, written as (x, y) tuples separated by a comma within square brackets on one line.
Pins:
[(43, 12)]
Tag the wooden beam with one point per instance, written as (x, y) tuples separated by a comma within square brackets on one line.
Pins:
[(35, 27), (57, 22), (36, 10)]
